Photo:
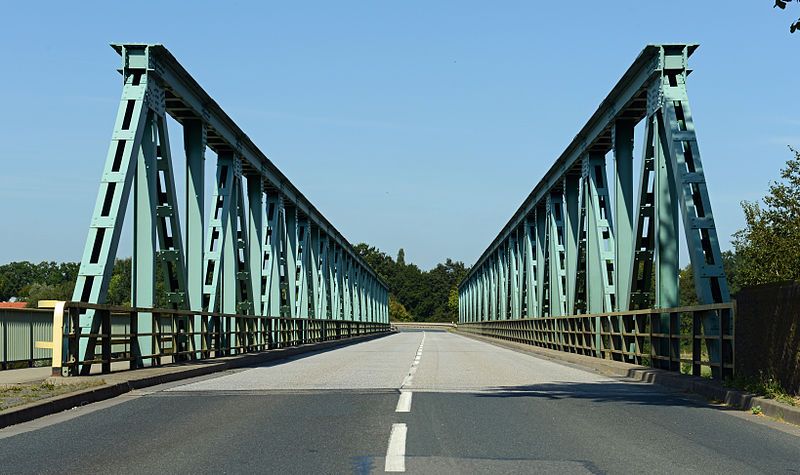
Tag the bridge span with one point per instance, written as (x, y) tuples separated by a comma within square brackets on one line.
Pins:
[(421, 401)]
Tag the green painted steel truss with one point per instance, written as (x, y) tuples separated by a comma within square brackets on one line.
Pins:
[(572, 249), (263, 249)]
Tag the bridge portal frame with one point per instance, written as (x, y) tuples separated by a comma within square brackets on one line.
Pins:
[(263, 249)]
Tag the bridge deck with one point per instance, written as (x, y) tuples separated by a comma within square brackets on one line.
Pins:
[(474, 407)]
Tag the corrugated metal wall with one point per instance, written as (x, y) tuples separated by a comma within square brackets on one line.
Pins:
[(20, 328)]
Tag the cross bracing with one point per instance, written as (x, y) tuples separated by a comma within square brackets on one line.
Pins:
[(592, 242), (260, 249)]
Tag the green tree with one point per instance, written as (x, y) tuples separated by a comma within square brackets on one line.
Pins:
[(688, 294), (119, 288), (398, 312), (767, 247), (425, 295)]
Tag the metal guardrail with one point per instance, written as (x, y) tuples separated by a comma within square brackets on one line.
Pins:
[(661, 338), (180, 335), (20, 328), (423, 325)]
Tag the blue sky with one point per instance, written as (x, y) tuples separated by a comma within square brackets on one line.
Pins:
[(420, 125)]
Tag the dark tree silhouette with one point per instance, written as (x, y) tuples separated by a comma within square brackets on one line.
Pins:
[(782, 5)]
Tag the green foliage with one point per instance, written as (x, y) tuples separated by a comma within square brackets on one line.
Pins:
[(430, 296), (119, 288), (31, 282), (16, 278), (765, 385), (687, 292), (398, 312), (767, 248)]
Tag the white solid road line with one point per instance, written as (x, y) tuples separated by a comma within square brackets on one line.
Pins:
[(396, 453), (404, 402)]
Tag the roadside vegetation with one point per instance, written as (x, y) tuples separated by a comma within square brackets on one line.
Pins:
[(17, 394)]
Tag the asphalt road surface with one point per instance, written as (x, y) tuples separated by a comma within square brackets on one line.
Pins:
[(423, 402)]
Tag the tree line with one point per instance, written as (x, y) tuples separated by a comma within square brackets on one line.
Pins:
[(414, 294), (417, 295)]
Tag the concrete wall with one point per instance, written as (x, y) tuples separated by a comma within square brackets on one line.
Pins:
[(768, 332)]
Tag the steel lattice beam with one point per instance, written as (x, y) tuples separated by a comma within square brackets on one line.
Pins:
[(263, 249), (583, 253)]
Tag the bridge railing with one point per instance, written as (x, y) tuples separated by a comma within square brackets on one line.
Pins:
[(180, 335), (667, 338)]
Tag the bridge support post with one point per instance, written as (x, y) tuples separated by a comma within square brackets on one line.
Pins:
[(622, 136), (571, 218), (542, 309), (271, 293), (194, 141), (144, 243)]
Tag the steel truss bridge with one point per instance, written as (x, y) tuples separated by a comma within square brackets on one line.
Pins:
[(262, 249), (588, 263)]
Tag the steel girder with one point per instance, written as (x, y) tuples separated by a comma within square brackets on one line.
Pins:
[(263, 249), (574, 250)]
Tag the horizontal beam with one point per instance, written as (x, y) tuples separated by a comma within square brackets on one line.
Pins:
[(189, 99), (625, 101)]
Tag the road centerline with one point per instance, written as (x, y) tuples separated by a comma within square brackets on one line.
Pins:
[(404, 402), (396, 452)]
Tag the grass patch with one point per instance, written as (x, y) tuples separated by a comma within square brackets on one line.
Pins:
[(705, 371), (19, 394), (765, 386)]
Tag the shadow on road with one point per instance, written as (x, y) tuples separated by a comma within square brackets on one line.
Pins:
[(600, 392)]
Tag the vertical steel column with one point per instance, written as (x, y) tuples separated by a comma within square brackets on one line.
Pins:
[(495, 288), (502, 287), (255, 243), (290, 262), (221, 208), (557, 253), (324, 276), (571, 218), (270, 271), (228, 257), (622, 136), (542, 308), (667, 228), (194, 143), (301, 274), (531, 276), (641, 283), (521, 279), (600, 237), (144, 242), (348, 287), (338, 283)]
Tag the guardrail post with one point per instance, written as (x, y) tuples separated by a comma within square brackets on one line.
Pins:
[(105, 340)]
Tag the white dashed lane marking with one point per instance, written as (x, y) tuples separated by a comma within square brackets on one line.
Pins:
[(396, 453), (404, 403)]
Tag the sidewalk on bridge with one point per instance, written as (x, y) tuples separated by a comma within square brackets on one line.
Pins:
[(110, 385), (709, 389)]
